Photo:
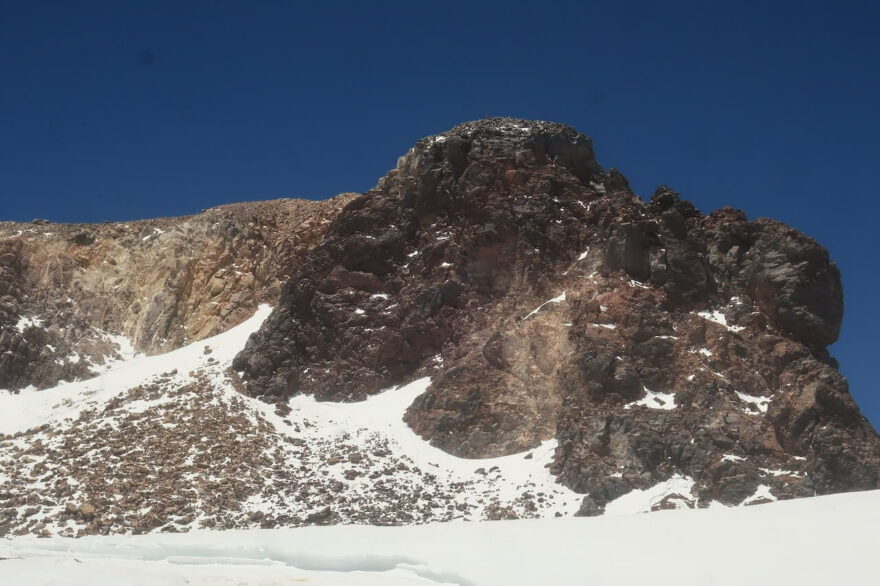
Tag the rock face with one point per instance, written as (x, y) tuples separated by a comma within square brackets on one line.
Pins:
[(73, 297), (656, 345), (547, 301)]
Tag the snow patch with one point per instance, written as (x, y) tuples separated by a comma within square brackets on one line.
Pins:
[(25, 322), (758, 403), (642, 501), (381, 415), (559, 299), (654, 400), (761, 493), (777, 472), (719, 318)]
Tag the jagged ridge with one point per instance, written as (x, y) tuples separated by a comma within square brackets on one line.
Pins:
[(438, 268), (661, 351), (71, 294)]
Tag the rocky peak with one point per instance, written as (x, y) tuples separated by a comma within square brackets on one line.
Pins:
[(454, 226), (547, 301), (518, 143), (643, 344)]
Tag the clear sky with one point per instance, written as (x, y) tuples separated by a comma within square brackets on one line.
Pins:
[(121, 110)]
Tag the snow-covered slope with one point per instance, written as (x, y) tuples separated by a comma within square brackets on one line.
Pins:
[(63, 403), (816, 541), (167, 443)]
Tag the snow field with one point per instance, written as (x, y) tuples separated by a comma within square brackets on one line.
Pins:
[(809, 542), (361, 458)]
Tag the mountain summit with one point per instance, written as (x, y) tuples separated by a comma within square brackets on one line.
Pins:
[(500, 328), (546, 301)]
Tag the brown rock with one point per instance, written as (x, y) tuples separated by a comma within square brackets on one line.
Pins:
[(454, 265)]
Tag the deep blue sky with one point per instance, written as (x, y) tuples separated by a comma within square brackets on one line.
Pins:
[(121, 110)]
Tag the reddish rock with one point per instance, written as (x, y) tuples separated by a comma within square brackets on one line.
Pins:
[(454, 266)]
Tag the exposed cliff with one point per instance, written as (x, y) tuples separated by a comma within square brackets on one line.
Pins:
[(76, 297), (569, 328), (547, 300)]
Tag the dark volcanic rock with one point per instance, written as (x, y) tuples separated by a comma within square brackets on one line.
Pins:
[(405, 266), (547, 301)]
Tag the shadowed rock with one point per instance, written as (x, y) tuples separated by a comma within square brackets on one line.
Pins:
[(548, 301)]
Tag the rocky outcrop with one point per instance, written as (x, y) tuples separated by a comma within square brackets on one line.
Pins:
[(75, 297), (546, 300), (435, 241)]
